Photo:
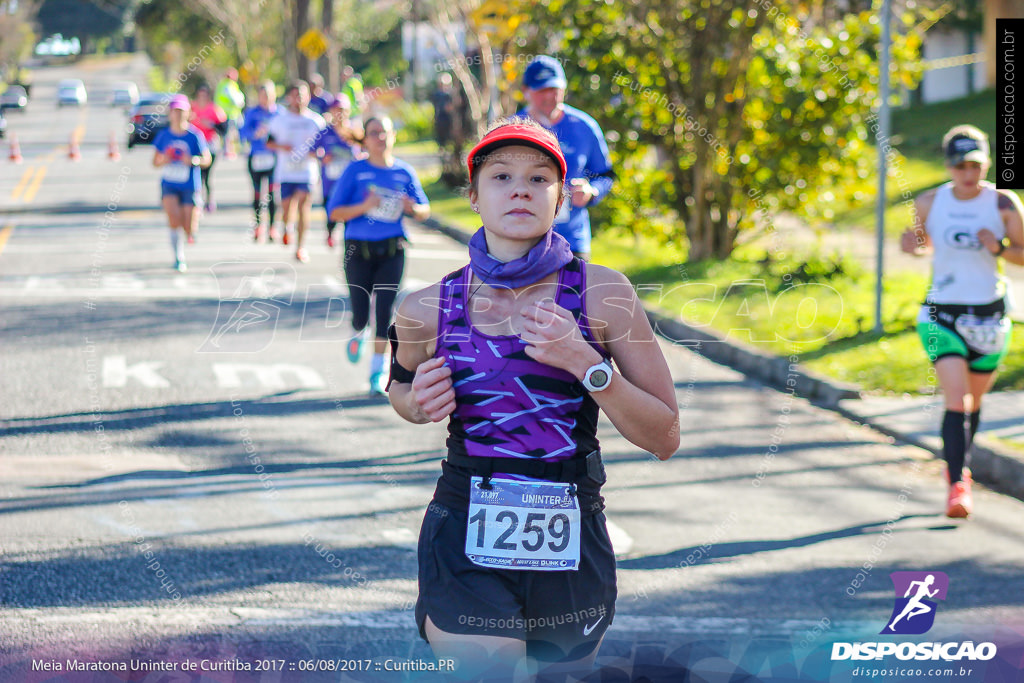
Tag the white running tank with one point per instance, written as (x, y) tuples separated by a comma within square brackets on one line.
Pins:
[(963, 270)]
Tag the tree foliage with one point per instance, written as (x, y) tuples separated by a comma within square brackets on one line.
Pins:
[(16, 36), (753, 107)]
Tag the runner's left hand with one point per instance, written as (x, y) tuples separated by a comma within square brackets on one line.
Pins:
[(988, 240), (582, 192)]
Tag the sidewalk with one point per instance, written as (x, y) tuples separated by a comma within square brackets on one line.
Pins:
[(916, 421)]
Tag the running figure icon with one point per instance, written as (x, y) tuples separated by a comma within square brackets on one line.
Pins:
[(915, 607)]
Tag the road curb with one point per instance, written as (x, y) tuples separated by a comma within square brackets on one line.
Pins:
[(995, 467)]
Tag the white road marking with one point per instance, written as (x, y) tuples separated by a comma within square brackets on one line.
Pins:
[(271, 376), (621, 541), (116, 372), (401, 538)]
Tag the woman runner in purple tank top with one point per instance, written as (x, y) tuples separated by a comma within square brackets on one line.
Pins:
[(516, 570)]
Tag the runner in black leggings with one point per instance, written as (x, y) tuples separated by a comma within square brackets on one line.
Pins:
[(371, 197), (261, 160)]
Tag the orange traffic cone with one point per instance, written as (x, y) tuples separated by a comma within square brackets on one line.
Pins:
[(112, 151), (15, 155), (74, 154)]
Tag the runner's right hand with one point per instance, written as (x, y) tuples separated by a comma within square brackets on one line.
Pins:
[(372, 201), (908, 241), (432, 393)]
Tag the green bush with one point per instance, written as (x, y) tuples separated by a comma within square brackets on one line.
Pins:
[(414, 121)]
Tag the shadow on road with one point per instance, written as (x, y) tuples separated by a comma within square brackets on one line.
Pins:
[(704, 554)]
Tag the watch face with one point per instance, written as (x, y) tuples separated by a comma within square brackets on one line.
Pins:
[(599, 378)]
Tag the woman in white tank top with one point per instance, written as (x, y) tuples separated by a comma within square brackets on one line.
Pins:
[(966, 225)]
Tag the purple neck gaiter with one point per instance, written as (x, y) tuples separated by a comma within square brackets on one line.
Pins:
[(544, 258)]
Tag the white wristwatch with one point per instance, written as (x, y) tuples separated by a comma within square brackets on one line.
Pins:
[(598, 377)]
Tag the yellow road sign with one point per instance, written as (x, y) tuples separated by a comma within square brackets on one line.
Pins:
[(312, 43), (496, 19)]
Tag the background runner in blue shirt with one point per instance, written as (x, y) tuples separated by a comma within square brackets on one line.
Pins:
[(590, 174), (261, 160), (337, 149), (371, 197), (180, 152)]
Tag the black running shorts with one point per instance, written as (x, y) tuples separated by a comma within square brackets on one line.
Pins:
[(561, 615)]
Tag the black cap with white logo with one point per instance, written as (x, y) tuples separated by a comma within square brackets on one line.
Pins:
[(966, 147)]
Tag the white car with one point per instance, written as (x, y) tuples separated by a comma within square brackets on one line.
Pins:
[(71, 91), (124, 95)]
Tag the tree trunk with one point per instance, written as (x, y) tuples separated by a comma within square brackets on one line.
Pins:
[(330, 72), (291, 51), (301, 18)]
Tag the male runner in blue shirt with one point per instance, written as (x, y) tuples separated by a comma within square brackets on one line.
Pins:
[(590, 174)]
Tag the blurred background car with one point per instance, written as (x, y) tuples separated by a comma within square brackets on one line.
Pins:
[(14, 97), (3, 124), (72, 92), (124, 95), (147, 118)]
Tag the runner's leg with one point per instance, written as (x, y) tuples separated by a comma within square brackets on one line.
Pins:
[(305, 201), (980, 383), (206, 174), (387, 278), (953, 379), (257, 197), (359, 276), (479, 657), (175, 221)]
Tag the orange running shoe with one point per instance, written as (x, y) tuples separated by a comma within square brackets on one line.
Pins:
[(959, 504)]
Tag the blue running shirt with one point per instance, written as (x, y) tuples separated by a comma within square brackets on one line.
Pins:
[(391, 184), (179, 173)]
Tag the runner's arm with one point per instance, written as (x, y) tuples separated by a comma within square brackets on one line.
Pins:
[(429, 397), (1011, 210), (915, 240)]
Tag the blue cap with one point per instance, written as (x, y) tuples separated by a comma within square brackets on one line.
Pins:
[(544, 72)]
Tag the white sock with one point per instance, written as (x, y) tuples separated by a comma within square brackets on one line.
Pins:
[(177, 244), (377, 363)]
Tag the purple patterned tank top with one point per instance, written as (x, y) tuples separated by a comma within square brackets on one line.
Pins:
[(508, 405)]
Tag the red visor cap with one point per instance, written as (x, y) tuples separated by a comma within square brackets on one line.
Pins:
[(530, 136)]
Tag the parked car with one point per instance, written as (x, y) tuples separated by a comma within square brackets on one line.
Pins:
[(147, 118), (3, 124), (14, 97), (71, 91), (125, 95)]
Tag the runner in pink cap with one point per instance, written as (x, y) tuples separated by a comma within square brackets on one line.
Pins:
[(180, 152)]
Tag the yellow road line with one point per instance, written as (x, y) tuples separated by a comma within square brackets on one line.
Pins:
[(5, 233), (30, 193), (16, 192)]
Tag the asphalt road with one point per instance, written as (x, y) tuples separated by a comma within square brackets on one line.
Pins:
[(179, 488)]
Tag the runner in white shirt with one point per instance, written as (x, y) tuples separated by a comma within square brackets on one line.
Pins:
[(966, 226), (293, 134)]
